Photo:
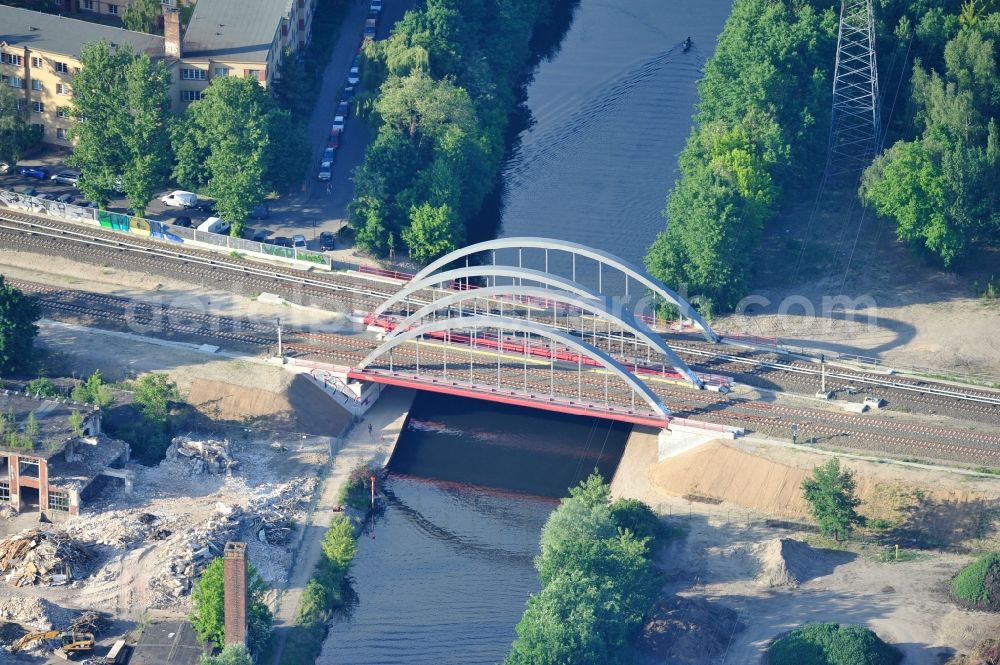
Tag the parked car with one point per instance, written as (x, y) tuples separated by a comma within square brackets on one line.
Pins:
[(354, 76), (180, 199), (347, 94), (207, 207), (375, 6), (39, 172), (281, 241), (326, 240), (29, 191), (299, 241), (46, 197), (344, 109), (324, 174), (183, 221), (328, 154), (67, 177), (87, 204), (66, 198), (338, 124), (369, 31), (260, 235), (260, 211), (334, 141)]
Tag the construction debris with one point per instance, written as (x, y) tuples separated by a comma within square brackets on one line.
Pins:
[(118, 528), (209, 456), (90, 622), (33, 613), (41, 557), (271, 518)]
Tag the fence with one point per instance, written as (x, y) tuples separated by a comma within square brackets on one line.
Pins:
[(154, 230)]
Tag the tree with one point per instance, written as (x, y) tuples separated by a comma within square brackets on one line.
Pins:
[(31, 426), (94, 391), (16, 135), (121, 103), (832, 501), (76, 423), (153, 394), (433, 232), (233, 654), (208, 618), (18, 314), (238, 145), (43, 387), (339, 546), (141, 15)]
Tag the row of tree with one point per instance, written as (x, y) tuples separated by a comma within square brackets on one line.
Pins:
[(761, 124), (599, 585), (446, 81), (235, 145), (939, 182)]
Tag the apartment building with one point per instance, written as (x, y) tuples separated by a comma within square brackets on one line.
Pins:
[(233, 38), (39, 53)]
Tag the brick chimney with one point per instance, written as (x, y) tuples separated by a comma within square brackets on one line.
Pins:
[(171, 31), (234, 576)]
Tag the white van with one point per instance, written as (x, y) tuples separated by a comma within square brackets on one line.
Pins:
[(214, 225), (181, 199)]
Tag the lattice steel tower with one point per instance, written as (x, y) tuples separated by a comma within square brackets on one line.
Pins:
[(855, 128)]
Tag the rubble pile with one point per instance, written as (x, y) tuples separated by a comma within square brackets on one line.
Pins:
[(189, 552), (208, 456), (272, 518), (41, 557), (6, 512), (90, 622), (117, 528), (34, 613)]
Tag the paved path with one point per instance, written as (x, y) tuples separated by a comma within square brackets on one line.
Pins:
[(387, 418)]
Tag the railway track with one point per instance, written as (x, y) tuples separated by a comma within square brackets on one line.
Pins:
[(365, 292)]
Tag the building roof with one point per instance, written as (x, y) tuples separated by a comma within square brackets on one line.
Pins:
[(59, 34), (171, 642), (90, 457), (233, 29), (54, 430)]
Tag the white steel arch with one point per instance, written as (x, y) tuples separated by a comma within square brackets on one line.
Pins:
[(605, 258), (415, 285), (625, 320), (638, 387)]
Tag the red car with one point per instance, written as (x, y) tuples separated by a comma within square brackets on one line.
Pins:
[(334, 141)]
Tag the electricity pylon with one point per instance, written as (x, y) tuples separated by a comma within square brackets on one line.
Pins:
[(855, 127)]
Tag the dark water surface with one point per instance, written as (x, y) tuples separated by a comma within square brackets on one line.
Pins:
[(445, 578)]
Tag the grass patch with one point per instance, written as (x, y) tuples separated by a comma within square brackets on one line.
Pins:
[(977, 586)]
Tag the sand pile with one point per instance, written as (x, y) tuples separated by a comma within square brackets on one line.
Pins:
[(785, 562), (688, 631)]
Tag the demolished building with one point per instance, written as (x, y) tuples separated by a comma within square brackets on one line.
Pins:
[(50, 458)]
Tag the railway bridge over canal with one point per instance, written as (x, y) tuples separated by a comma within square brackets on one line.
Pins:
[(585, 343)]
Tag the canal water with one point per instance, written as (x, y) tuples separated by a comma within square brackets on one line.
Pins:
[(445, 574)]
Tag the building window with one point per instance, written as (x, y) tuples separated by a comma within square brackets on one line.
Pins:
[(193, 74), (62, 89), (302, 24), (36, 61), (284, 29), (15, 82), (88, 5), (38, 107), (11, 59), (40, 128), (190, 95), (113, 9), (58, 501), (62, 112), (27, 468), (62, 68), (252, 74), (36, 85), (5, 492), (222, 71), (61, 133)]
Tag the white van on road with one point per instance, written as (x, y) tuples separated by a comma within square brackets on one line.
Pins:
[(180, 199)]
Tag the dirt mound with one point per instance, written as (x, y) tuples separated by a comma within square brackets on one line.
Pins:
[(986, 652), (785, 562), (34, 613), (688, 631)]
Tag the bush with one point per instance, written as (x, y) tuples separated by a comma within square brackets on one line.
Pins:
[(43, 387), (832, 644), (637, 517), (356, 492), (978, 585)]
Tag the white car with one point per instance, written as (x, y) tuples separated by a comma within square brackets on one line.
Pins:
[(180, 199), (324, 172), (299, 242), (375, 6), (338, 124), (354, 76), (67, 177)]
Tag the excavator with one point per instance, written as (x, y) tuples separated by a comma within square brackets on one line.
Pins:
[(70, 643)]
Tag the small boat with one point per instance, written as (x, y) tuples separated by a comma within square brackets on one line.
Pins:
[(687, 45)]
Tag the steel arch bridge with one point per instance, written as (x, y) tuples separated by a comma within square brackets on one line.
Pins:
[(542, 340)]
